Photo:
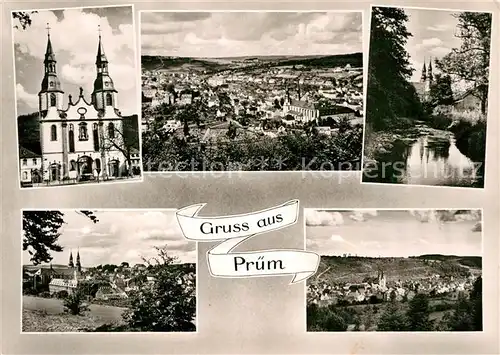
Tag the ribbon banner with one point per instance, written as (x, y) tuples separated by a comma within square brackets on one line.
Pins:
[(234, 230)]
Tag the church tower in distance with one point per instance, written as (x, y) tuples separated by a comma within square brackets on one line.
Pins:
[(78, 264), (70, 264)]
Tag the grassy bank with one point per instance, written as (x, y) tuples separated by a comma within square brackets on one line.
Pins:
[(40, 321)]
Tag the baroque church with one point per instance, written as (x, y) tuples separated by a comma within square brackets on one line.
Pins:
[(84, 140)]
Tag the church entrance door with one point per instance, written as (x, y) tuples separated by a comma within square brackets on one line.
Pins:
[(85, 168)]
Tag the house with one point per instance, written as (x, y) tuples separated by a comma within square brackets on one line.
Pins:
[(30, 165), (58, 285), (110, 293), (468, 101)]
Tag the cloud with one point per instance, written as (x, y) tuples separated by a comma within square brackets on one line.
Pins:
[(360, 215), (323, 218), (74, 38), (29, 99), (336, 238), (439, 28), (429, 43), (251, 33)]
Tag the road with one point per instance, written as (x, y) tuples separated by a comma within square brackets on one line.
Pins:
[(55, 306)]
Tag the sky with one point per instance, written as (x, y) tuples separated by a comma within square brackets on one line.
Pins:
[(74, 37), (433, 36), (387, 234), (120, 236), (232, 34)]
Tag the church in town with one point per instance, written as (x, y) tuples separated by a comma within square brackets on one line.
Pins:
[(82, 140), (423, 87), (56, 277)]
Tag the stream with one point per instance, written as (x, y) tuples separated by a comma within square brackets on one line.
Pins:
[(431, 159)]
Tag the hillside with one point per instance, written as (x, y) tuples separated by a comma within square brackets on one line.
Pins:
[(336, 269), (158, 62), (217, 64)]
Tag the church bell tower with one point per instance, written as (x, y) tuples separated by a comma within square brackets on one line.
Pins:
[(104, 94), (50, 97)]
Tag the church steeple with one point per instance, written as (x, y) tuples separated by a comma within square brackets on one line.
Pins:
[(51, 94), (429, 72), (70, 264), (78, 264), (423, 78), (104, 94)]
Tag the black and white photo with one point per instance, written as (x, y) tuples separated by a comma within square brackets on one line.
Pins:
[(76, 96), (427, 97), (395, 270), (107, 271), (252, 91)]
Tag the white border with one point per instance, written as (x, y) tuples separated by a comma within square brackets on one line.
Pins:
[(98, 210), (136, 64), (391, 209), (488, 114), (230, 172)]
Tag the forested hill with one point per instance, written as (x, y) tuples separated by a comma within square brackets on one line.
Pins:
[(355, 60), (357, 269)]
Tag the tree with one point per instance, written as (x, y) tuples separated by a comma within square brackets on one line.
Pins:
[(124, 139), (470, 63), (23, 18), (468, 313), (418, 314), (186, 129), (74, 303), (169, 303), (392, 319), (441, 92), (41, 232), (231, 132), (125, 264), (390, 94)]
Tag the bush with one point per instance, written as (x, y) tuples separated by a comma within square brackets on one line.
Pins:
[(62, 294), (74, 303), (167, 304)]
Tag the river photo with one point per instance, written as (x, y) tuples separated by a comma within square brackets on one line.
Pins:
[(426, 106)]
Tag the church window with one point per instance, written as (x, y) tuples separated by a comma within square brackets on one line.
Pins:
[(52, 100), (25, 162), (25, 175), (106, 83), (111, 130), (34, 161), (51, 84), (72, 165), (53, 132), (83, 134), (71, 139), (95, 137), (109, 100)]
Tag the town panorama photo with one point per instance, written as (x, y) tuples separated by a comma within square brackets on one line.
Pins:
[(251, 91)]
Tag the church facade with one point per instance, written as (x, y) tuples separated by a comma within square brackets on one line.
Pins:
[(84, 139)]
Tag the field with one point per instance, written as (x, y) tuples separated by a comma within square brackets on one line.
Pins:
[(47, 315)]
